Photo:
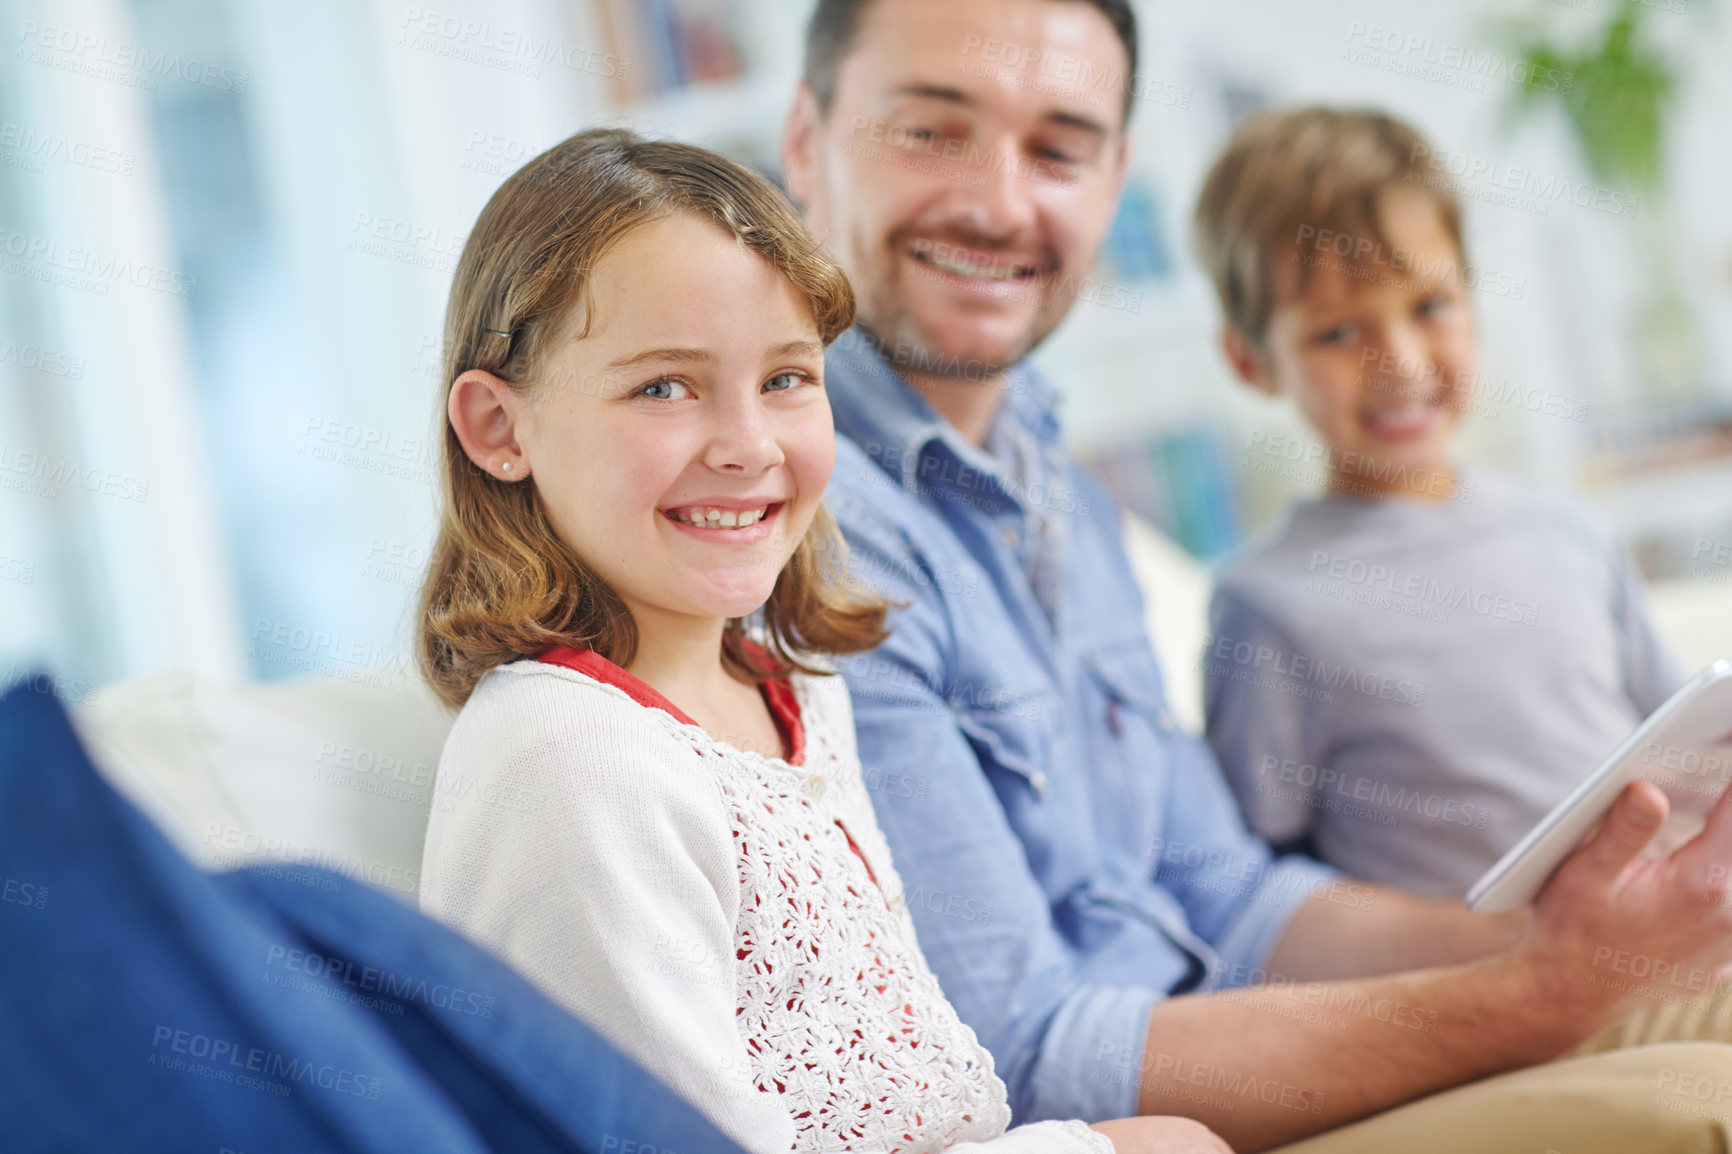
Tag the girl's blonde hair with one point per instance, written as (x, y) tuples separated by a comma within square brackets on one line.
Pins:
[(501, 585)]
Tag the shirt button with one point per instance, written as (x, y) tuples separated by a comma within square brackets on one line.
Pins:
[(1010, 538), (1038, 780)]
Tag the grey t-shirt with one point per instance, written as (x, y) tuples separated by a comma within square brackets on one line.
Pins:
[(1412, 685)]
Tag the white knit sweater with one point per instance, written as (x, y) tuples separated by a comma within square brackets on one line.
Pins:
[(701, 907)]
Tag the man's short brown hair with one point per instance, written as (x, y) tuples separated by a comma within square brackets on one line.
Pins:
[(831, 30), (1298, 173)]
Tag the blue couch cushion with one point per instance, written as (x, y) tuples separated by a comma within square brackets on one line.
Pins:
[(146, 1005)]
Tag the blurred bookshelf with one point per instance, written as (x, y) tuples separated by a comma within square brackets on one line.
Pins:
[(1661, 476), (719, 73), (674, 44), (1178, 480)]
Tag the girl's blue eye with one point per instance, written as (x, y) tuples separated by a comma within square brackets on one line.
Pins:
[(660, 390), (792, 379)]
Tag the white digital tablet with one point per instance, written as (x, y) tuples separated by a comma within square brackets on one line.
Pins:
[(1685, 748)]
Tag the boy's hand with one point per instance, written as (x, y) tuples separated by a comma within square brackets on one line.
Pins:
[(1159, 1135), (1611, 922)]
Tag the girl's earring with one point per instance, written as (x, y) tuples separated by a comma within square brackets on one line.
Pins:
[(506, 466)]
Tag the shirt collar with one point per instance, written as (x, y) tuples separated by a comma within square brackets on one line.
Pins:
[(876, 407)]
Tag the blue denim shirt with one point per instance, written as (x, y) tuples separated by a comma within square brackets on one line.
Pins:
[(1069, 854)]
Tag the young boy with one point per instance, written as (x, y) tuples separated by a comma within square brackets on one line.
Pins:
[(1415, 667)]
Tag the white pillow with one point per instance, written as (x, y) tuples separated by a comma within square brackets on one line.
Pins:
[(1176, 588), (317, 772)]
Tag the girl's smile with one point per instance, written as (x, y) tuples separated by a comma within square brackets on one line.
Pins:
[(726, 522)]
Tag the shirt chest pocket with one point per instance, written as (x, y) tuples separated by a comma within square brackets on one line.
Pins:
[(1129, 679), (1016, 734), (1131, 734)]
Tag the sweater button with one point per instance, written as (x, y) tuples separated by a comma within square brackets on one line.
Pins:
[(814, 786)]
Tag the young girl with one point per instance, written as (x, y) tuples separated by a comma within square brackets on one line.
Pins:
[(659, 815)]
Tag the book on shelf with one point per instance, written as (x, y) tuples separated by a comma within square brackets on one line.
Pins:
[(1136, 246), (670, 44), (1662, 475), (1660, 439), (1178, 480)]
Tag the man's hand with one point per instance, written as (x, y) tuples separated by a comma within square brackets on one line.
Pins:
[(1609, 927), (1161, 1136), (1611, 921)]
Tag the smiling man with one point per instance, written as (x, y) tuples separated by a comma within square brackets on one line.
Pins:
[(1080, 877), (965, 246)]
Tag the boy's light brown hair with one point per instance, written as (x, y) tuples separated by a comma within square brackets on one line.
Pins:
[(501, 585), (1291, 176)]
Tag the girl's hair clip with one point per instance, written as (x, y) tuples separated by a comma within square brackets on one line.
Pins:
[(496, 333)]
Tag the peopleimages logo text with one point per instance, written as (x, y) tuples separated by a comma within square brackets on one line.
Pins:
[(1479, 64)]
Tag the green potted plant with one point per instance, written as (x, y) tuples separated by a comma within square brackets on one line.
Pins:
[(1621, 91)]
